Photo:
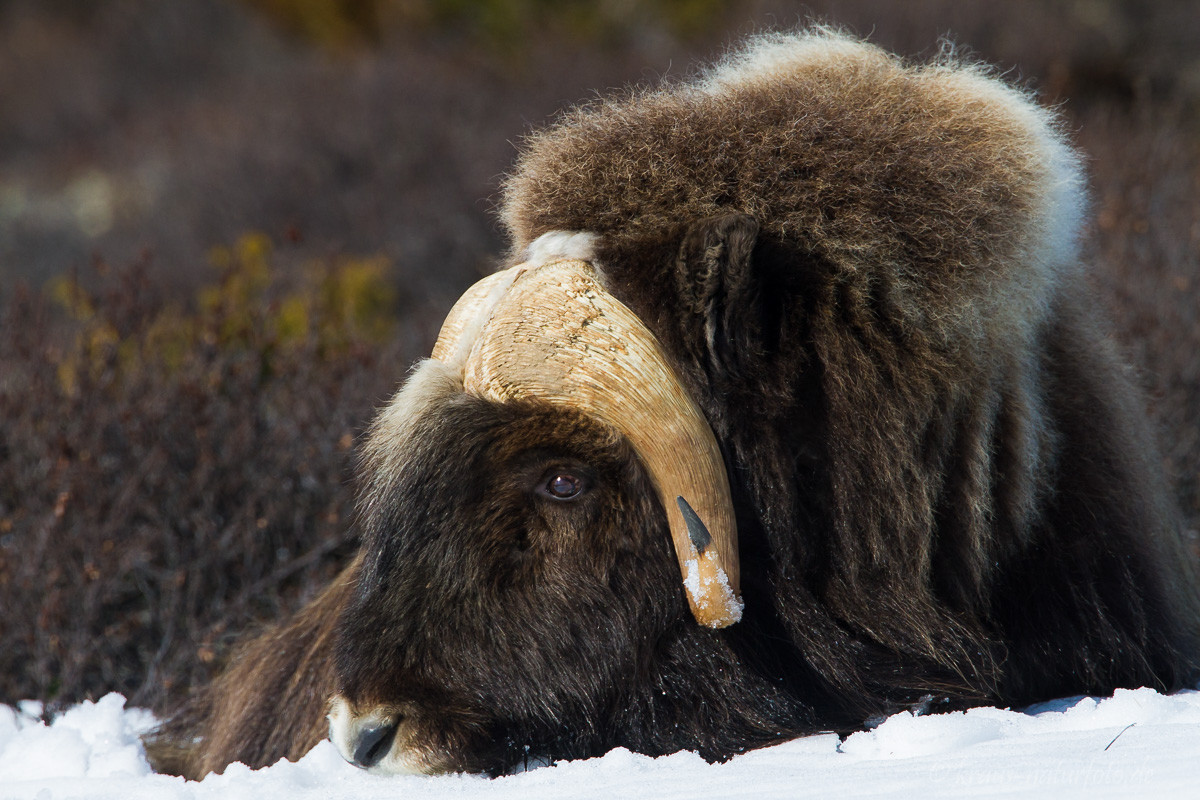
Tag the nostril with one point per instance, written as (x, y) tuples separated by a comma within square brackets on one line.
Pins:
[(374, 742)]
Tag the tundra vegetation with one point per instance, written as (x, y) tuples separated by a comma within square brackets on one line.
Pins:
[(178, 429)]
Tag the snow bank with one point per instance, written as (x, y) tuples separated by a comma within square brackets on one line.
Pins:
[(1135, 744)]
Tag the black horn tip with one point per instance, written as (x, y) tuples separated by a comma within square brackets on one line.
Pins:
[(699, 534)]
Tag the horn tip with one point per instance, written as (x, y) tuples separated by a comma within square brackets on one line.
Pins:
[(714, 602), (697, 531)]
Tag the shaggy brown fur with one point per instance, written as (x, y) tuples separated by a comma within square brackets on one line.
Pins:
[(865, 274), (237, 717)]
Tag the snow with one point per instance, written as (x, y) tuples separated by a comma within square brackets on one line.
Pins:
[(1137, 743)]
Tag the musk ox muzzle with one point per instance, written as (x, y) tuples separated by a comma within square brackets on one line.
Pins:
[(549, 332)]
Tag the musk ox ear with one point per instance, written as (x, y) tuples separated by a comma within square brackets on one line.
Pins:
[(716, 279)]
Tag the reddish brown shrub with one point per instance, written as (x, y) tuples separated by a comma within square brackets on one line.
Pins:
[(171, 472), (175, 465)]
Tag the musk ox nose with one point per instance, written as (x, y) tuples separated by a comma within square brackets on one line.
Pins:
[(374, 742), (368, 738)]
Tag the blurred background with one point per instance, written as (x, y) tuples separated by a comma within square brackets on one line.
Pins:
[(227, 228)]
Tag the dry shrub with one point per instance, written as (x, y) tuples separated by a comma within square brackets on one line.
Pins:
[(170, 471), (1144, 252), (175, 463)]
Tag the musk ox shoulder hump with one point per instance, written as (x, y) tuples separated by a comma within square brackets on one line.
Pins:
[(937, 174)]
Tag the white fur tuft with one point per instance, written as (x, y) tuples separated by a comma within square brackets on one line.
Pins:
[(778, 57), (553, 245)]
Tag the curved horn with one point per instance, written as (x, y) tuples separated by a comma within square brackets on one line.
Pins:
[(467, 317), (558, 336)]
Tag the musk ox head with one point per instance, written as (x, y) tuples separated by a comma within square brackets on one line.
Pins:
[(514, 536)]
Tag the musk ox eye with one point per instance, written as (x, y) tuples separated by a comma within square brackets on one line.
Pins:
[(563, 486)]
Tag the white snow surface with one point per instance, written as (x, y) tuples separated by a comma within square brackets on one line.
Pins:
[(1138, 743)]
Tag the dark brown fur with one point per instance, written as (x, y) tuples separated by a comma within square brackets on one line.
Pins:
[(865, 275)]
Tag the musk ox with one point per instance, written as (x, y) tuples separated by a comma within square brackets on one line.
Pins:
[(789, 410)]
